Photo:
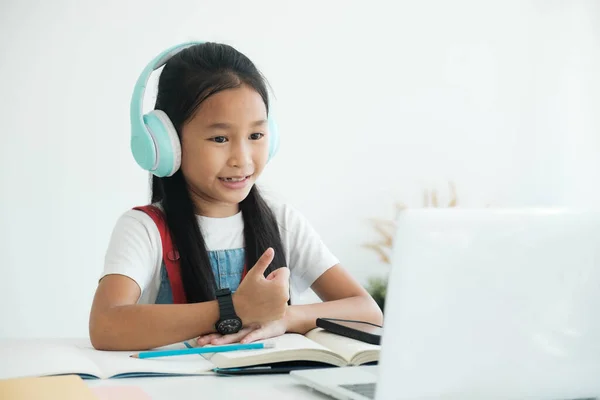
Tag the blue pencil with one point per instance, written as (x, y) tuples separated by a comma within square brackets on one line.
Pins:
[(202, 350)]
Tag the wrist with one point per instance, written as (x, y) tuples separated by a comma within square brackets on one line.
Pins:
[(296, 321), (229, 321), (239, 308)]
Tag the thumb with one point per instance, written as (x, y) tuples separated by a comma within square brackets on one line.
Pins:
[(263, 262), (280, 274)]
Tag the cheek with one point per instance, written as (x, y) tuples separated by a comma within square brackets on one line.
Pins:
[(261, 156), (197, 164)]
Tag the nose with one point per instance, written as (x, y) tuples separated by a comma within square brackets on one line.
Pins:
[(240, 155)]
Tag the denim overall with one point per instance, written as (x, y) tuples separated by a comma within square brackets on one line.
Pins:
[(227, 266)]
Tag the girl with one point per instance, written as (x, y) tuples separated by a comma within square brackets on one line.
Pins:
[(237, 256)]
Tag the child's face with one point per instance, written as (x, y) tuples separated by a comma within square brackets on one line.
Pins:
[(224, 148)]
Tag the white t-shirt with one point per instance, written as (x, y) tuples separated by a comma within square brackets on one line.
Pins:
[(135, 248)]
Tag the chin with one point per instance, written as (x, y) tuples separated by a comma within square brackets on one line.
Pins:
[(236, 198)]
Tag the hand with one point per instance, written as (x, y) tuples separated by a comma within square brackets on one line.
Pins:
[(247, 335), (258, 299)]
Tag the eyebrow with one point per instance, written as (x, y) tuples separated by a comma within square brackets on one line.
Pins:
[(225, 125)]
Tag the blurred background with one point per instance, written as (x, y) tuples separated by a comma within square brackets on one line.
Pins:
[(381, 105)]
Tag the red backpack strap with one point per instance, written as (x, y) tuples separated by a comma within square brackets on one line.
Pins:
[(170, 255)]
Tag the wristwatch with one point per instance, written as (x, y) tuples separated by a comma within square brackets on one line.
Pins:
[(228, 322)]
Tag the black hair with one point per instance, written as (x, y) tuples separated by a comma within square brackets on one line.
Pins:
[(187, 79)]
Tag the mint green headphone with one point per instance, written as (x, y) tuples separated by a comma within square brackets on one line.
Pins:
[(154, 142)]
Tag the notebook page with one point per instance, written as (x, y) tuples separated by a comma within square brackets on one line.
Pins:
[(42, 357), (113, 363), (346, 347), (289, 342)]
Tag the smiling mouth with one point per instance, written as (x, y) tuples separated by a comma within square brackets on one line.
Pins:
[(235, 178)]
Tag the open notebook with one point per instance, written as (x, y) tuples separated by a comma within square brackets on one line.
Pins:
[(33, 357), (316, 347), (44, 357)]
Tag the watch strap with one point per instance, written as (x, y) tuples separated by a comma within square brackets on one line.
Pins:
[(226, 309)]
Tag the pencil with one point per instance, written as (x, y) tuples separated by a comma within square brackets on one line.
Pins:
[(202, 350)]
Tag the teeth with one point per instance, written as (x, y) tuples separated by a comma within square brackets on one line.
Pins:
[(234, 179)]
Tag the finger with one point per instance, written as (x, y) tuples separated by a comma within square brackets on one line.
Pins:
[(254, 336), (273, 329), (280, 274), (206, 339), (274, 274), (234, 337), (263, 262)]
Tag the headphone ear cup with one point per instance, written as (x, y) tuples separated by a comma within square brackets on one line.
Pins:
[(166, 142), (273, 138), (143, 147)]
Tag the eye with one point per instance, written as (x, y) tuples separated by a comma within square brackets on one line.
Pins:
[(256, 136), (219, 139)]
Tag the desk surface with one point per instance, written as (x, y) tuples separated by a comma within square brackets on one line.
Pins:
[(264, 387)]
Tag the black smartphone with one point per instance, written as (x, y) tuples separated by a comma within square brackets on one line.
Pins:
[(359, 330)]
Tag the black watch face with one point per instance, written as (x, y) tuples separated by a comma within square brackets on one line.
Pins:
[(228, 326)]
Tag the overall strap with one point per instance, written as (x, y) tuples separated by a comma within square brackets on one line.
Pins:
[(170, 255)]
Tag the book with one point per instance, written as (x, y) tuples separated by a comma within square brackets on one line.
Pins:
[(317, 347), (23, 358), (68, 387)]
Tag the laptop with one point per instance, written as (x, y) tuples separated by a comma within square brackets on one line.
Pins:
[(485, 304)]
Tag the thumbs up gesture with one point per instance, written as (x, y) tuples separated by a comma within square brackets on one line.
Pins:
[(261, 299)]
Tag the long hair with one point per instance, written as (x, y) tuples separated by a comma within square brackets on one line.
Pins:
[(188, 79)]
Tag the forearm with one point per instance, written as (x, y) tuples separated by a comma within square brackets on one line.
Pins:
[(302, 318), (146, 326)]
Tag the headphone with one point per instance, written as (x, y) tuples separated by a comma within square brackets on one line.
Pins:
[(154, 143)]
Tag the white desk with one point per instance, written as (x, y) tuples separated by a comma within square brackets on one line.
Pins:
[(263, 387)]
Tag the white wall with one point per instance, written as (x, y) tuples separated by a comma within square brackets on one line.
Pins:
[(377, 101)]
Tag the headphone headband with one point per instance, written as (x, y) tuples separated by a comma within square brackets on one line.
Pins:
[(139, 90)]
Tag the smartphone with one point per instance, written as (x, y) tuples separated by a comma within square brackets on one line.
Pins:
[(359, 330)]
